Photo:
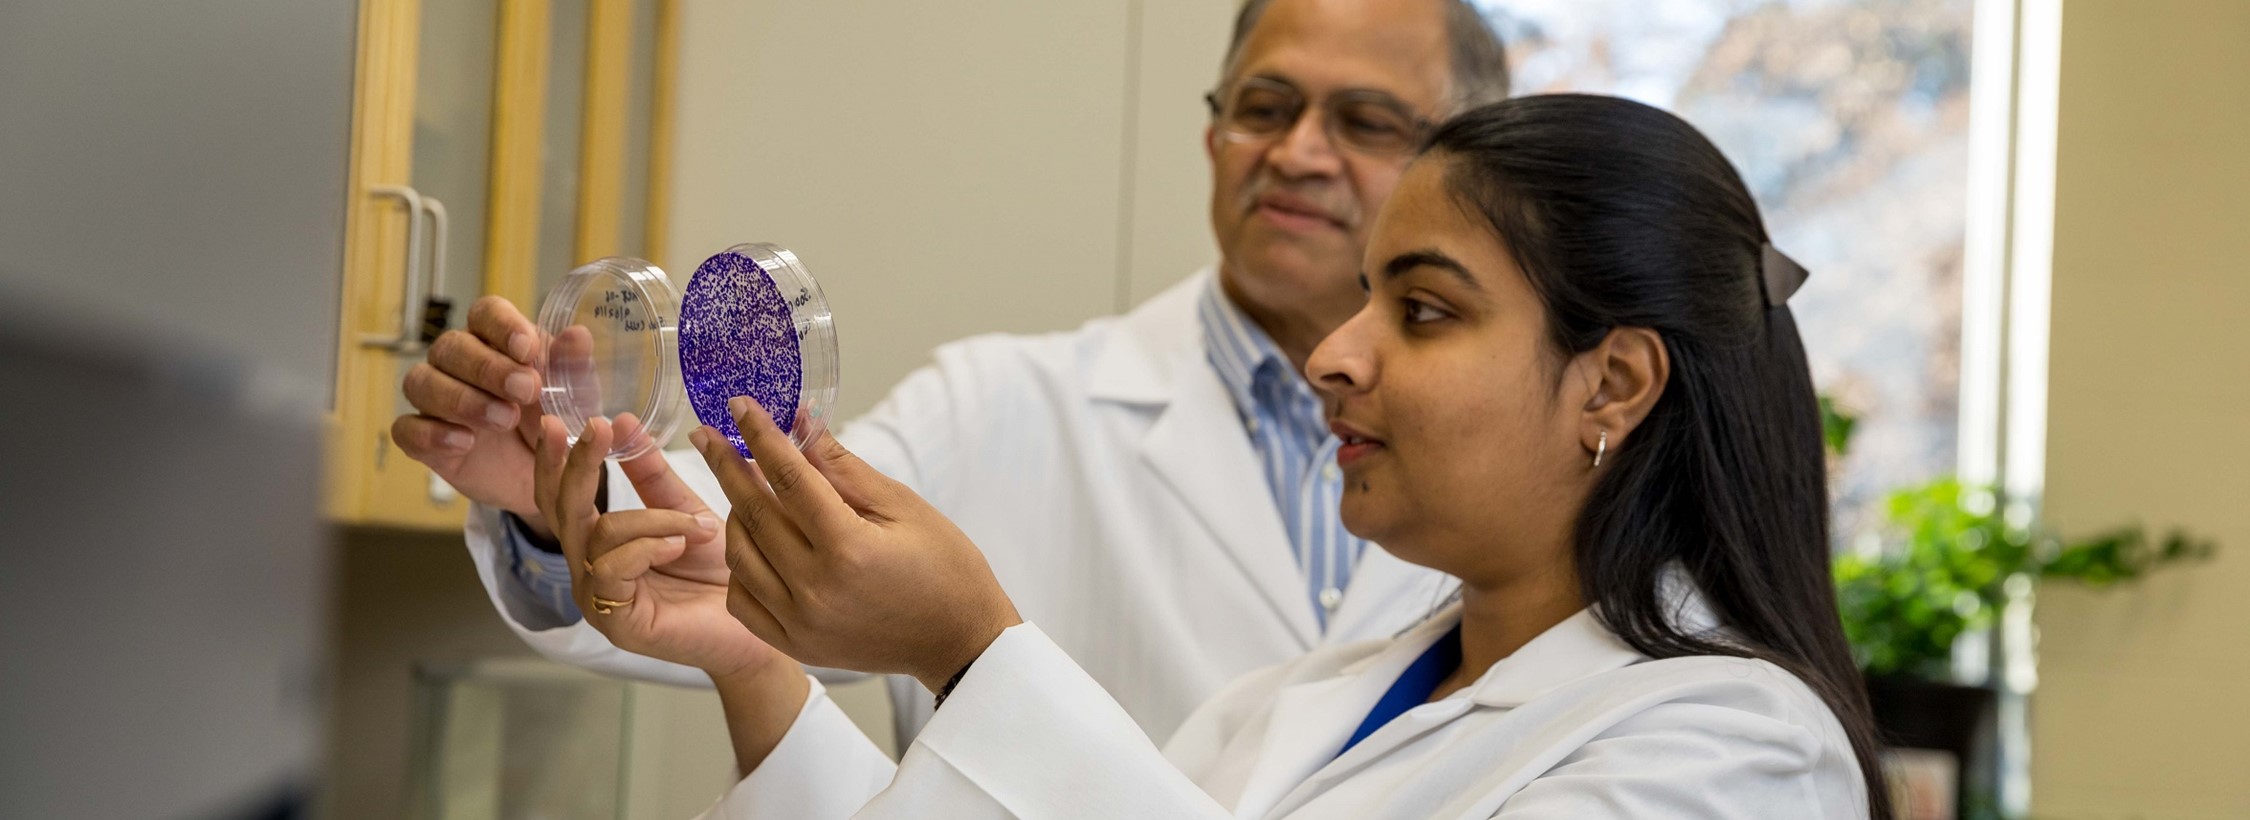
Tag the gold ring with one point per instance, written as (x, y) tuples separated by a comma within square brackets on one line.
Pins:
[(604, 606)]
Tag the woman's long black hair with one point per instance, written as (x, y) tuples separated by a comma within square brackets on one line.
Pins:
[(1622, 215)]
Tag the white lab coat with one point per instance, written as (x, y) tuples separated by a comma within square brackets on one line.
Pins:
[(1574, 725), (1107, 477)]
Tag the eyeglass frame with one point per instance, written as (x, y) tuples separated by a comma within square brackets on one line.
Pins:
[(1420, 126)]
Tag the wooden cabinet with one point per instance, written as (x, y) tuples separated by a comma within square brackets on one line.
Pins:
[(495, 145)]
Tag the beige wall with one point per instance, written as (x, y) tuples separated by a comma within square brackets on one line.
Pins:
[(2139, 711), (948, 169)]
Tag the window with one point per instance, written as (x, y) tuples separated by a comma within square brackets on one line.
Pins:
[(1849, 120)]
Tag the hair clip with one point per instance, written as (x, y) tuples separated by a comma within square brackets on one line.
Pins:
[(1782, 276)]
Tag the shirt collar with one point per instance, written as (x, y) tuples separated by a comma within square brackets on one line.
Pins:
[(1246, 358)]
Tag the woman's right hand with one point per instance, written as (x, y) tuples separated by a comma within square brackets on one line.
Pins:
[(654, 581)]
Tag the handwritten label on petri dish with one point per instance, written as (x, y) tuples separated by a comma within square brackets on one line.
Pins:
[(617, 306)]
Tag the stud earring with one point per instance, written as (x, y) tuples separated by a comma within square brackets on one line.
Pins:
[(1600, 448)]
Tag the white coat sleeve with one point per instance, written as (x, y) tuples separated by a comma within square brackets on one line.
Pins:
[(1701, 757), (1028, 734), (822, 768), (912, 434)]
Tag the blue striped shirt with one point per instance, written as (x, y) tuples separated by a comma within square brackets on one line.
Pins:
[(1289, 430), (546, 575)]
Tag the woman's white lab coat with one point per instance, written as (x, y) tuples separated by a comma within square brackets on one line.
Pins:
[(1573, 725)]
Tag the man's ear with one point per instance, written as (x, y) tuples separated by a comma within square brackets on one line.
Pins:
[(1626, 375)]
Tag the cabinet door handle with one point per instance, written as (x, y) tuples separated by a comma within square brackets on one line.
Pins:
[(437, 308), (404, 340)]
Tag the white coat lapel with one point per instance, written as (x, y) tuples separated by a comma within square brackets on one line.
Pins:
[(1198, 447), (1311, 721)]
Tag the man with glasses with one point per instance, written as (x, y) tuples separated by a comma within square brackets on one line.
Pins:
[(1156, 490)]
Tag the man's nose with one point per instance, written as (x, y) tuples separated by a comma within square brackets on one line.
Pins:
[(1305, 149)]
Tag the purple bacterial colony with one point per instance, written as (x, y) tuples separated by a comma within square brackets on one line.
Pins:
[(737, 338)]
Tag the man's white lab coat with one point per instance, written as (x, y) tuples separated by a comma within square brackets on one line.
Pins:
[(1574, 725), (1106, 475)]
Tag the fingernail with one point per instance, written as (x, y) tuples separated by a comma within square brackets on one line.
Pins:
[(739, 405), (457, 441), (709, 522), (697, 437), (501, 416), (675, 540), (519, 387), (519, 346)]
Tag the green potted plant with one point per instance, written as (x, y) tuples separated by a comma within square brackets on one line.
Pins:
[(1948, 564), (1945, 567)]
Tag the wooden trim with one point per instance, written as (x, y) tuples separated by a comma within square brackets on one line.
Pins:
[(662, 101), (519, 114), (382, 153), (601, 167)]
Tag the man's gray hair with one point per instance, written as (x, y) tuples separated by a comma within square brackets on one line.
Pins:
[(1478, 60)]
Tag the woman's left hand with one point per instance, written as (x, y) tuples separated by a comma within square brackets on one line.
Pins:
[(837, 565)]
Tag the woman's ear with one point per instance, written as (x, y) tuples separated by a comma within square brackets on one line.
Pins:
[(1626, 374)]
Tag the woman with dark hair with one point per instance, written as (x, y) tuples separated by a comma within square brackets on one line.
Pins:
[(1576, 386)]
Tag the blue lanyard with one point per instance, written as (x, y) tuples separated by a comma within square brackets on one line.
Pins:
[(1413, 687)]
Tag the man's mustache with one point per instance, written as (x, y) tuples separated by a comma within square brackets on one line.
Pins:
[(1325, 199)]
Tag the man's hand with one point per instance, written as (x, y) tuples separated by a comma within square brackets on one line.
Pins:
[(477, 409), (655, 580), (837, 565)]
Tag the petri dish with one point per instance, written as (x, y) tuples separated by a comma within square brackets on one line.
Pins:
[(611, 350), (622, 343), (756, 324)]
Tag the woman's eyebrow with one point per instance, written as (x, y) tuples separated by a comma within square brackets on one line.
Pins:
[(1430, 258)]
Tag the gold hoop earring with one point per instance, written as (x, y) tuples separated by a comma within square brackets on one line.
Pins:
[(1600, 448)]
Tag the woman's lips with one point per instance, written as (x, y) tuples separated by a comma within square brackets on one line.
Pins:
[(1351, 451), (1356, 443)]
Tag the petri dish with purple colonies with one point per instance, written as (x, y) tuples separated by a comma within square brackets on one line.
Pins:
[(624, 344)]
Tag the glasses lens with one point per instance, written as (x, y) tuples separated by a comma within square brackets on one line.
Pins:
[(1261, 111), (1373, 126)]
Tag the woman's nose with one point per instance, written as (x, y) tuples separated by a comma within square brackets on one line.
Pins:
[(1343, 363)]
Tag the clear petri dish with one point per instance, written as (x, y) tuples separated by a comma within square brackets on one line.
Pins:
[(755, 323), (623, 344), (611, 350)]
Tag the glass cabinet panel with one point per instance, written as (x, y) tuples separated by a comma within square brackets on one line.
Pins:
[(640, 115), (457, 58), (519, 738), (560, 157)]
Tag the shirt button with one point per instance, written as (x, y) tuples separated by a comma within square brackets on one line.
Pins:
[(1330, 597), (1330, 472), (1253, 425)]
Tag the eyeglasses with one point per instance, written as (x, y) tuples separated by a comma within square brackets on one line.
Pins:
[(1368, 122)]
